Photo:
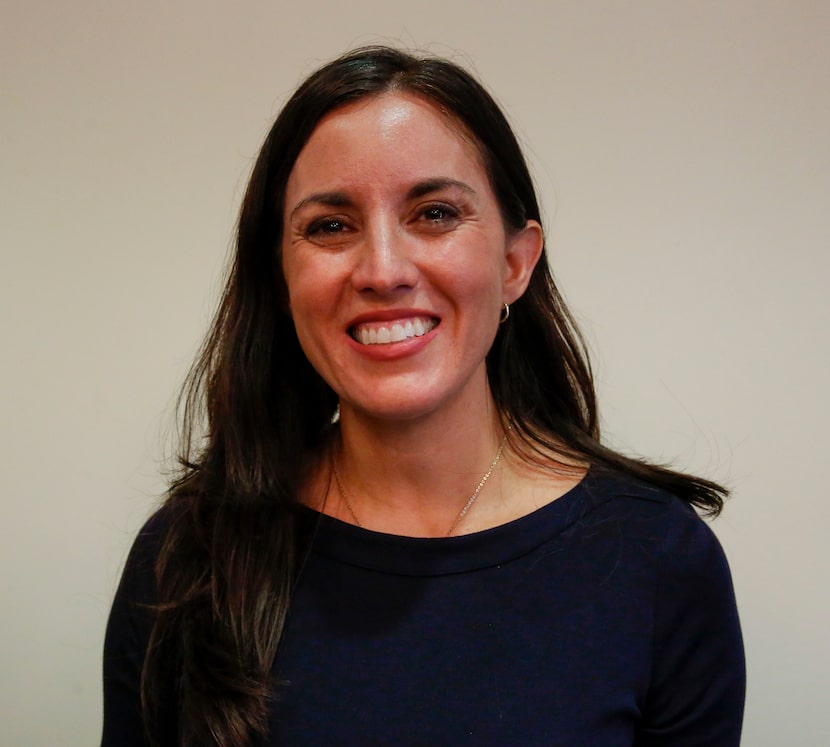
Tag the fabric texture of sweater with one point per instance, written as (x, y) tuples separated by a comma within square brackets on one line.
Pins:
[(606, 618)]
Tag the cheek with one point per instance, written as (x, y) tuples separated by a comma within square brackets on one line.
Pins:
[(307, 317), (479, 283), (312, 300), (300, 282)]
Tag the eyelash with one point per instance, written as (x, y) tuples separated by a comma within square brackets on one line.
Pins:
[(325, 226), (433, 214), (448, 212)]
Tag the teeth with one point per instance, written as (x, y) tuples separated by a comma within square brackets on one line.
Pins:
[(396, 332)]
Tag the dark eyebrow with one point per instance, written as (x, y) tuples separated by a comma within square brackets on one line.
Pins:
[(329, 199), (425, 187), (436, 185)]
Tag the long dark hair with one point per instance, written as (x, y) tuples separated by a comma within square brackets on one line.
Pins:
[(255, 412)]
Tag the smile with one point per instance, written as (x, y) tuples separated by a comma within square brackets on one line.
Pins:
[(384, 333)]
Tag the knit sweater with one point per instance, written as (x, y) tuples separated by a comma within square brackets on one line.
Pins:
[(606, 618)]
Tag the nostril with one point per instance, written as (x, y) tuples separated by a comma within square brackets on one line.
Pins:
[(385, 277)]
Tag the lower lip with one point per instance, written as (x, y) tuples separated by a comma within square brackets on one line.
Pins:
[(392, 351)]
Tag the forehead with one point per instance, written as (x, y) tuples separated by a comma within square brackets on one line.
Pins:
[(389, 137)]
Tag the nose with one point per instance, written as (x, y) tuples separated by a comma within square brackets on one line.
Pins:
[(384, 262)]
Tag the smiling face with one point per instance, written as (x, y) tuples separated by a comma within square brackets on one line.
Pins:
[(396, 259)]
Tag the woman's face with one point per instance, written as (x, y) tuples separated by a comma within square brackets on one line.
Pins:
[(396, 258)]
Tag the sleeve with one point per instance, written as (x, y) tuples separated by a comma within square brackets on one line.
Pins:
[(696, 694), (128, 631)]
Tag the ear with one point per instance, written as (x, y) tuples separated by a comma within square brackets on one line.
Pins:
[(524, 247)]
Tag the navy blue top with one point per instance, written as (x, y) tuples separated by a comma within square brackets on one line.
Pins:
[(604, 619)]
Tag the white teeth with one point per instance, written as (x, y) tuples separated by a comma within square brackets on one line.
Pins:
[(397, 332)]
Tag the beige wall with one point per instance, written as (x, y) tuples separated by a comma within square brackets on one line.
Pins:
[(681, 149)]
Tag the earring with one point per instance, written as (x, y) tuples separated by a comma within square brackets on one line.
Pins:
[(505, 313)]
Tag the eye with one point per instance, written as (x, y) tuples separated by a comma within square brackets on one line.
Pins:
[(329, 230), (325, 227), (439, 214)]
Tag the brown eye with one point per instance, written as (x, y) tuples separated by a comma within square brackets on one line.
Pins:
[(439, 213), (325, 227), (330, 230)]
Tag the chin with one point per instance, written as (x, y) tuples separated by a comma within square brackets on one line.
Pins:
[(392, 412), (416, 394), (391, 406)]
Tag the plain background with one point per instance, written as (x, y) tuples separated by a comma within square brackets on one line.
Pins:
[(681, 152)]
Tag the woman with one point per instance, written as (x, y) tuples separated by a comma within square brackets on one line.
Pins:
[(401, 527)]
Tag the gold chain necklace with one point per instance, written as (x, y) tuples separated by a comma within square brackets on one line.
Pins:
[(461, 514)]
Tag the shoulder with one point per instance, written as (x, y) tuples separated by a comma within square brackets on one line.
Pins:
[(667, 539), (697, 680), (150, 537), (137, 586), (663, 530), (128, 633), (627, 501)]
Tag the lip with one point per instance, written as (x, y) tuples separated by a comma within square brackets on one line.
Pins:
[(392, 350), (390, 315)]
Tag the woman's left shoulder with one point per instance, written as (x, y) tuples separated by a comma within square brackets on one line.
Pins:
[(664, 522)]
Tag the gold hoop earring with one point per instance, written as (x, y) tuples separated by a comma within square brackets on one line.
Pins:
[(505, 313)]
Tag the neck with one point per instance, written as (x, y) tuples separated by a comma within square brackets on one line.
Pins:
[(414, 477)]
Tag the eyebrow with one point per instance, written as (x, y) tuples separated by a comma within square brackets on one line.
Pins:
[(421, 189), (436, 185), (330, 199)]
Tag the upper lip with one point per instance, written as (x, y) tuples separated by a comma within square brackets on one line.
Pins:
[(389, 315)]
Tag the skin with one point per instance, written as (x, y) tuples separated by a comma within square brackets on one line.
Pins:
[(390, 220)]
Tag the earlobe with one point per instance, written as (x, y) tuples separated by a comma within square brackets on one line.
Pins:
[(524, 249)]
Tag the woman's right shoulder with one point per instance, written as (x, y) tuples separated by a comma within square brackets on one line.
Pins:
[(129, 629), (150, 537), (138, 577)]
